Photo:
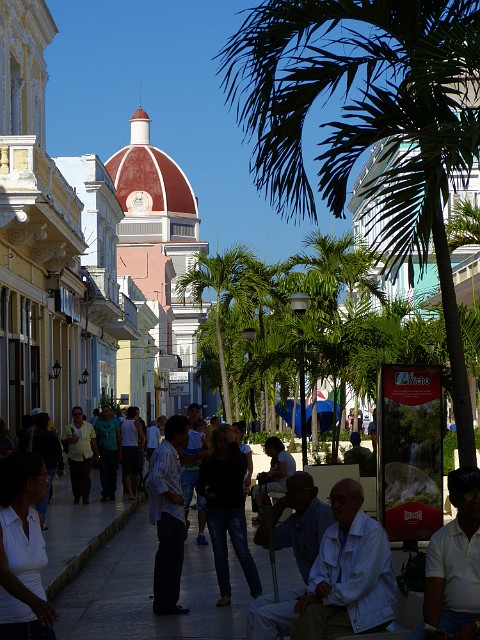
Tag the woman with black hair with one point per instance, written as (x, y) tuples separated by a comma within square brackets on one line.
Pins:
[(46, 444), (220, 481), (24, 610), (282, 466)]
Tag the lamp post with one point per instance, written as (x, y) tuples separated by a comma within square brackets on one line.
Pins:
[(250, 335), (299, 303), (85, 376), (56, 368)]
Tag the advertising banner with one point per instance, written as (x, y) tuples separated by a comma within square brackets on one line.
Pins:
[(410, 446)]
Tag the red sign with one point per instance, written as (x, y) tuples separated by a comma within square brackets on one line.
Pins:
[(410, 445)]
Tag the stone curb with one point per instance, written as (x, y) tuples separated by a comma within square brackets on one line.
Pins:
[(73, 566)]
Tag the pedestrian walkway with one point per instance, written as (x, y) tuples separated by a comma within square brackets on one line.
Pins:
[(76, 531), (111, 597)]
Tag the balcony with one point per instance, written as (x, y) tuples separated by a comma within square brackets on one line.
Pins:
[(101, 300), (125, 328), (39, 210)]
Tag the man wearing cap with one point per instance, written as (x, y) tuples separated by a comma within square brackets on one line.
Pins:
[(452, 590)]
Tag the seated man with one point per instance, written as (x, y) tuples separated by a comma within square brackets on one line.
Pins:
[(351, 587), (360, 455), (451, 606), (303, 532)]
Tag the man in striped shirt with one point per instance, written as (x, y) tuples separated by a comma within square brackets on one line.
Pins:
[(167, 513)]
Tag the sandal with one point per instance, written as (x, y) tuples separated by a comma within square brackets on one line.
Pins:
[(224, 602)]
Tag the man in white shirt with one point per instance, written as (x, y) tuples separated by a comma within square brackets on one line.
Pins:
[(351, 586), (167, 513), (452, 590)]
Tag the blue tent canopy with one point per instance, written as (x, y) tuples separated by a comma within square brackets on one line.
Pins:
[(324, 415)]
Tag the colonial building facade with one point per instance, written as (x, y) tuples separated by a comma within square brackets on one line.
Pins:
[(158, 240), (40, 235)]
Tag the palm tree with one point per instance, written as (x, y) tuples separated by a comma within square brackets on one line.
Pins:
[(463, 227), (410, 64), (229, 276)]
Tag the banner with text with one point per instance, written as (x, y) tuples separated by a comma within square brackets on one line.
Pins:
[(410, 447)]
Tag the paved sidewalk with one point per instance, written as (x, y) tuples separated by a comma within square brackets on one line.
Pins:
[(76, 531)]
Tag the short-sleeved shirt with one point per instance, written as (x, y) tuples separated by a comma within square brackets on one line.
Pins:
[(304, 532), (107, 434), (194, 445), (26, 559), (82, 449), (153, 434), (452, 556), (245, 448), (290, 465)]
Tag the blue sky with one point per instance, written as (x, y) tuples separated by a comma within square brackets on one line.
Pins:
[(102, 54)]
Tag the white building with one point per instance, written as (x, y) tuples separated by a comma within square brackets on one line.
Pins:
[(104, 318), (364, 209)]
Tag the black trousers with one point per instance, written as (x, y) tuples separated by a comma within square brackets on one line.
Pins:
[(168, 562), (108, 472), (80, 478)]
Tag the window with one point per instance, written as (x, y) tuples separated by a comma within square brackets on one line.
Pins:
[(184, 230)]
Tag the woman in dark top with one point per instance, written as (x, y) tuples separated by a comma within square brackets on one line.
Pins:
[(47, 445), (221, 482)]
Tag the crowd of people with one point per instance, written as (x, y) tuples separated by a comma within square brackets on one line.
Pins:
[(343, 555)]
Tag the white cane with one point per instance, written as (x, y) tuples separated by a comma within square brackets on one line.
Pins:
[(267, 515)]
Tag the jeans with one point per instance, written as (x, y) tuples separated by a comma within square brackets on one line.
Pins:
[(34, 630), (188, 480), (232, 520), (42, 506), (168, 562), (108, 472), (449, 621)]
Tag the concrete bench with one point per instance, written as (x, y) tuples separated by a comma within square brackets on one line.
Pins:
[(408, 613)]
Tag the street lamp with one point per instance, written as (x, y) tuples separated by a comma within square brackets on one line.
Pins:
[(250, 335), (299, 303), (56, 368), (85, 376)]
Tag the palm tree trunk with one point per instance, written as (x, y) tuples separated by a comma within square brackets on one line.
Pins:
[(295, 400), (355, 412), (314, 413), (236, 403), (460, 389), (223, 370), (335, 428), (263, 422)]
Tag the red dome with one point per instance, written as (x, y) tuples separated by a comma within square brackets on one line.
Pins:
[(141, 167), (140, 114)]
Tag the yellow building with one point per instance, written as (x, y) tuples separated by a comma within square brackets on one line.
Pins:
[(40, 234)]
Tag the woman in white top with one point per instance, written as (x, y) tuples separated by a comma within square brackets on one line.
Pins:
[(282, 466), (24, 610), (132, 441)]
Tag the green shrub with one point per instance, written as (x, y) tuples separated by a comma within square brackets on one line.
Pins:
[(260, 438), (450, 443)]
